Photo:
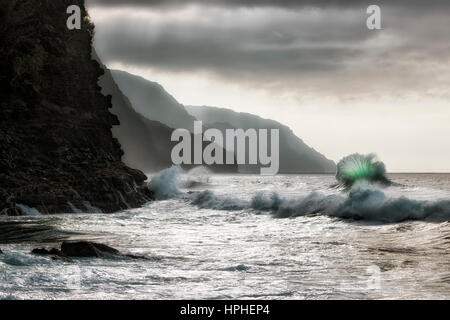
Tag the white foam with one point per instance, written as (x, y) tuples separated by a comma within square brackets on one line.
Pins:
[(165, 183), (74, 209), (90, 208), (27, 210), (364, 202)]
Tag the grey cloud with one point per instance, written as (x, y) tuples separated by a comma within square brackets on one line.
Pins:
[(327, 49), (244, 3), (285, 46), (277, 3)]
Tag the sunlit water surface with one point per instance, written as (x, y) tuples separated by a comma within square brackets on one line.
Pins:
[(197, 253)]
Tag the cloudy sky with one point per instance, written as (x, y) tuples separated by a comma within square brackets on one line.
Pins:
[(312, 65)]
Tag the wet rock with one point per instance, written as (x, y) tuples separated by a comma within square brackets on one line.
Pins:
[(54, 254), (138, 257), (83, 249), (45, 251), (87, 249), (61, 258), (1, 252)]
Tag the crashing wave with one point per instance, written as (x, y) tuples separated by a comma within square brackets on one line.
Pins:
[(167, 184), (196, 177), (358, 167), (208, 199), (364, 201), (164, 184)]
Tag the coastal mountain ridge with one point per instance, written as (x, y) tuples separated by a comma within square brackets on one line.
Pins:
[(295, 155), (153, 102)]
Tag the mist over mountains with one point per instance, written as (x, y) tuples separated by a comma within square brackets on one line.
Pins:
[(145, 128), (295, 155), (152, 101), (140, 137), (144, 107)]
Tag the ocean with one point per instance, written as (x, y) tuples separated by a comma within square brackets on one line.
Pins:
[(246, 237)]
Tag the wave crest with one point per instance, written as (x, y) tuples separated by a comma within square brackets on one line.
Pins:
[(164, 184), (363, 202), (358, 167)]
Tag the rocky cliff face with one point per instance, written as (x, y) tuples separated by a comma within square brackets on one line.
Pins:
[(146, 143), (57, 152)]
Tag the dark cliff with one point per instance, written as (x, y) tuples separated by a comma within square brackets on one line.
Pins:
[(57, 152), (146, 143)]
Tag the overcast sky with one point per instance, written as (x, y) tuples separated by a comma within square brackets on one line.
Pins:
[(312, 65)]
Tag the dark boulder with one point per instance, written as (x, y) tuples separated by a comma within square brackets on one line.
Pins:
[(87, 249), (45, 251), (54, 254), (1, 252), (138, 257), (83, 249)]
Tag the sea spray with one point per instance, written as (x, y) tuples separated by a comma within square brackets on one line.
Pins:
[(313, 203), (265, 202), (164, 184), (358, 167), (208, 199), (167, 184), (195, 177)]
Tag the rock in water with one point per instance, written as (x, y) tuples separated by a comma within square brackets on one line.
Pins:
[(45, 251), (55, 254), (83, 249), (61, 258), (87, 249), (1, 252)]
